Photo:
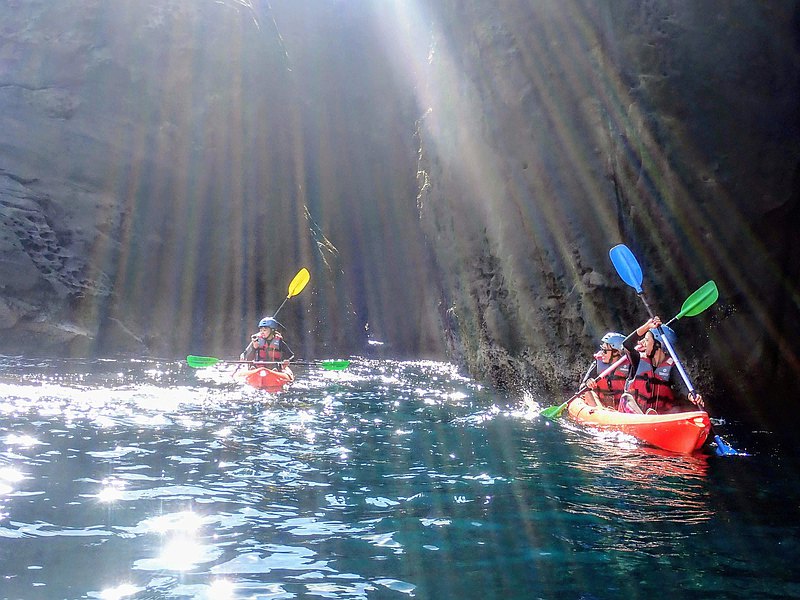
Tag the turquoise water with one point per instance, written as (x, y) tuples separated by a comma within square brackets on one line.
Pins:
[(387, 480)]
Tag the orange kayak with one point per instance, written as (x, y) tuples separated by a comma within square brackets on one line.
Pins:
[(682, 432), (266, 379)]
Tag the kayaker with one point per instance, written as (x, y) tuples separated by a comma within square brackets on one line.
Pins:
[(268, 346), (609, 388), (653, 379)]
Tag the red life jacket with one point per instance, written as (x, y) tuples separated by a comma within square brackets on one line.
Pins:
[(650, 387), (610, 387), (268, 350)]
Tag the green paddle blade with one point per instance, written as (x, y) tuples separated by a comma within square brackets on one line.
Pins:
[(554, 412), (704, 297), (335, 365), (201, 361)]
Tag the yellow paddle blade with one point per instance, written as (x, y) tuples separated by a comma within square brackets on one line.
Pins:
[(299, 282)]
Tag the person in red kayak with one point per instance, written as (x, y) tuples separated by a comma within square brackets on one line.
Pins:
[(609, 388), (654, 378), (268, 346)]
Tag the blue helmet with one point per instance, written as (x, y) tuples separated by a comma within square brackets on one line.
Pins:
[(671, 337), (269, 322), (613, 339)]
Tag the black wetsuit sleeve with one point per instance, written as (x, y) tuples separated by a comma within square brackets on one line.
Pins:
[(677, 384), (629, 345)]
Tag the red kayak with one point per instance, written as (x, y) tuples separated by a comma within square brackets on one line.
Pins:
[(266, 379), (682, 432)]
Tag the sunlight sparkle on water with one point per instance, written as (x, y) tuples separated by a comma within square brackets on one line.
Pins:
[(150, 421), (112, 490), (11, 475), (202, 491), (187, 521), (222, 589), (397, 585), (26, 441), (180, 554), (104, 422), (159, 399), (119, 592)]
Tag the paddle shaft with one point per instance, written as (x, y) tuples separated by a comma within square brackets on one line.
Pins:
[(670, 348), (280, 307), (556, 411), (199, 362), (261, 363), (258, 363), (606, 372)]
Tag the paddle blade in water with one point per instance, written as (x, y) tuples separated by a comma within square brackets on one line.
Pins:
[(201, 361), (554, 412), (299, 282), (335, 365), (704, 297), (627, 266), (724, 448)]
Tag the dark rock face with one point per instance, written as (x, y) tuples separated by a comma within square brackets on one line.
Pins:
[(167, 167), (453, 175), (667, 126)]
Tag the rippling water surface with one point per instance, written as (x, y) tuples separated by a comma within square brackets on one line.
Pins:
[(124, 479)]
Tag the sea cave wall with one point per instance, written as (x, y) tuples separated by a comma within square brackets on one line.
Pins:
[(558, 130), (452, 173)]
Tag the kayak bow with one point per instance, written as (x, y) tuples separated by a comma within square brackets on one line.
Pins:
[(266, 379)]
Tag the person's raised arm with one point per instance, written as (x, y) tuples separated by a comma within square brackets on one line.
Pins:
[(629, 347)]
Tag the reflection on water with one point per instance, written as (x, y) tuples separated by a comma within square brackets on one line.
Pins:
[(642, 485), (147, 479)]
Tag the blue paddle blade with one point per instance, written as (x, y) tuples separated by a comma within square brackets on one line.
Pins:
[(723, 447), (627, 266)]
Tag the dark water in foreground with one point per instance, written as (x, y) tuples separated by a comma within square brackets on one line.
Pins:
[(387, 480)]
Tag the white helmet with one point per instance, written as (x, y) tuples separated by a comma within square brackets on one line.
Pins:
[(613, 339)]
